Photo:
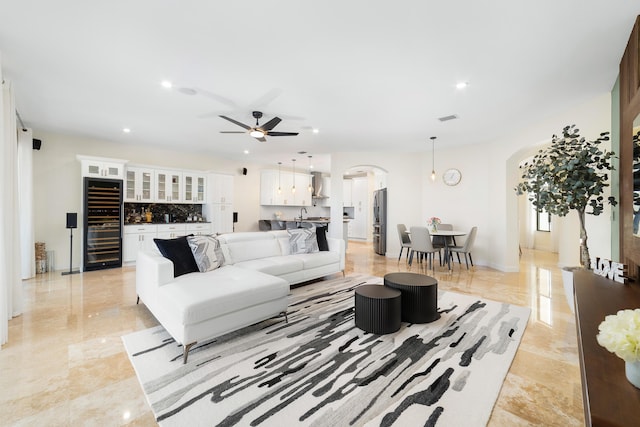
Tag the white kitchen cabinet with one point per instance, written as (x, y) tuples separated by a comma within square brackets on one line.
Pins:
[(171, 231), (221, 218), (194, 187), (168, 186), (137, 237), (270, 181), (347, 193), (102, 167), (268, 187), (198, 229), (139, 184), (302, 196), (221, 188)]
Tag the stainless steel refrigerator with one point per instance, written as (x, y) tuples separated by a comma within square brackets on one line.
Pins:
[(380, 221)]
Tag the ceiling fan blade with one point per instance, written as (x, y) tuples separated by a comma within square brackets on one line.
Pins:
[(263, 139), (271, 123), (232, 131), (242, 125), (282, 133), (216, 97)]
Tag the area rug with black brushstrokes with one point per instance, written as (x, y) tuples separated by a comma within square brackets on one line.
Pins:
[(321, 370)]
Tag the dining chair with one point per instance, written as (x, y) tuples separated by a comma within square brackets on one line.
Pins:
[(421, 244), (466, 248), (441, 241), (405, 240)]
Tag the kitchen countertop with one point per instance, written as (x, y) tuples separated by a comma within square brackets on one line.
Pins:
[(165, 223), (313, 220)]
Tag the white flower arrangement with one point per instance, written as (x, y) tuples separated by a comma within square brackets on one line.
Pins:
[(620, 334)]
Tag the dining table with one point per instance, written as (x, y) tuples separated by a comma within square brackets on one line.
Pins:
[(446, 234)]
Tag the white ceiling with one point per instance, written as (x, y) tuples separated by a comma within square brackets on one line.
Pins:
[(370, 75)]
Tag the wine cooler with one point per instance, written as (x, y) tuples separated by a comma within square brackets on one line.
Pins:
[(102, 223)]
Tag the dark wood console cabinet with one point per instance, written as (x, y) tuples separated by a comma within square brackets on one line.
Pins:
[(609, 398)]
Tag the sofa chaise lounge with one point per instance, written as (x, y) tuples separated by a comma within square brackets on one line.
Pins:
[(252, 285)]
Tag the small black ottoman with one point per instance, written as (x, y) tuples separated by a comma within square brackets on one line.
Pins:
[(378, 309), (419, 296)]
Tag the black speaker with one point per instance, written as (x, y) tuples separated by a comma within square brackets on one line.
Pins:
[(37, 144), (244, 171), (235, 217), (72, 220)]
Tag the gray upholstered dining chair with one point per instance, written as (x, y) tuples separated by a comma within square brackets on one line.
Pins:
[(421, 244), (405, 240), (466, 248), (439, 242)]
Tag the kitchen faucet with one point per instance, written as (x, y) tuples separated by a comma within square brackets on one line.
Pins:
[(305, 211)]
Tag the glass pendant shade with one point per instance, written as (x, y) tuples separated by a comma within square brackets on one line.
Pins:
[(293, 189)]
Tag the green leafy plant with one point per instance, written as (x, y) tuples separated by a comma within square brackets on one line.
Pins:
[(570, 174)]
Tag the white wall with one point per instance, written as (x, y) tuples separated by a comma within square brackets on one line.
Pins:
[(58, 184)]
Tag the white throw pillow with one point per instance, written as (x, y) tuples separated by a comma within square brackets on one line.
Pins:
[(206, 251), (303, 240)]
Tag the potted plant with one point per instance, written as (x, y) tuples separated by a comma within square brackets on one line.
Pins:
[(570, 174)]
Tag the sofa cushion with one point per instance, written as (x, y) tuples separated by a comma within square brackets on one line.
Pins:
[(317, 259), (277, 265), (303, 240), (238, 247), (178, 251), (201, 296), (321, 236), (206, 252)]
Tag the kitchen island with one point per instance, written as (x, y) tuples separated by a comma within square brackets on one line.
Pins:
[(284, 223)]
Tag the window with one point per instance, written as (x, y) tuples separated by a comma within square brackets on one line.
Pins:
[(543, 221)]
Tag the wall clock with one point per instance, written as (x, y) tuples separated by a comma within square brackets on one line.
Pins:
[(451, 176)]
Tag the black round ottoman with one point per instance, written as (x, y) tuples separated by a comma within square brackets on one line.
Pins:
[(419, 296), (378, 309)]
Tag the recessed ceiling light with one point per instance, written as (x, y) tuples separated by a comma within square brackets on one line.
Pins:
[(246, 151), (316, 130), (462, 85), (126, 130), (166, 84)]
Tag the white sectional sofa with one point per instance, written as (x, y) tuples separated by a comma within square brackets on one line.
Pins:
[(251, 286)]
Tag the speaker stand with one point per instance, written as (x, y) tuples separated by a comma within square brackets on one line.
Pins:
[(64, 273)]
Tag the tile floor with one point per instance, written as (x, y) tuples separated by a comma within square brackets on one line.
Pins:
[(65, 363)]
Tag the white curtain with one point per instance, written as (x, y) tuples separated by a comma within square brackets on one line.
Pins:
[(25, 203), (10, 283)]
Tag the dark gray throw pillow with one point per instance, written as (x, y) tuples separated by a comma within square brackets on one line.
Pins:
[(178, 251), (321, 236)]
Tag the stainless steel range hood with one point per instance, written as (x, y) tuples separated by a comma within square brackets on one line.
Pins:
[(316, 182)]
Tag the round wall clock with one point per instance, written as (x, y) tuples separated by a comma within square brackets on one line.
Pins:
[(451, 176)]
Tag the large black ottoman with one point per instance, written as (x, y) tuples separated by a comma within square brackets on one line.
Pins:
[(419, 296), (378, 309)]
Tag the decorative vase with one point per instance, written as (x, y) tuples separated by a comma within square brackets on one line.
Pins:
[(632, 370), (434, 227)]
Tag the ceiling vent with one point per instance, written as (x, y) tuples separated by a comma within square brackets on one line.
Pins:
[(447, 118)]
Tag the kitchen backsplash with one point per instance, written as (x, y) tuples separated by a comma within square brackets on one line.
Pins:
[(137, 213)]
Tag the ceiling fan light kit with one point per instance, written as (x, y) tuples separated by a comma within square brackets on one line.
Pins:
[(259, 132)]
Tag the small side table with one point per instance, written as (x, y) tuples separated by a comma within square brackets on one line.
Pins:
[(378, 309), (419, 296)]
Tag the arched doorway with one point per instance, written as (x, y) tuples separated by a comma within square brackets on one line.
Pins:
[(363, 186)]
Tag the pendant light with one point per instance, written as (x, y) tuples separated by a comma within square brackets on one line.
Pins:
[(310, 187), (293, 189), (279, 187), (433, 159)]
